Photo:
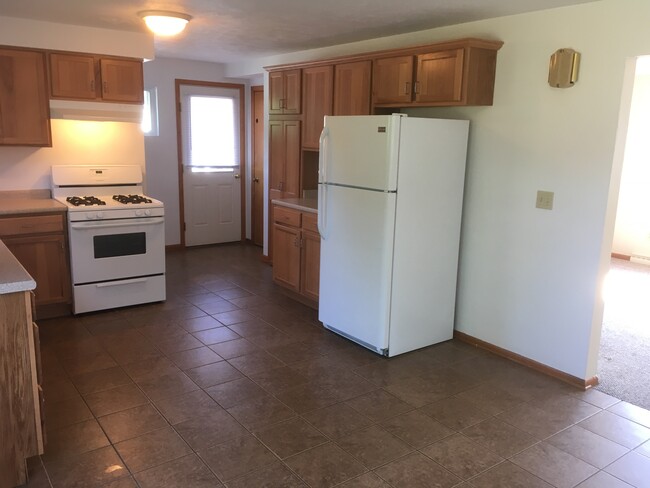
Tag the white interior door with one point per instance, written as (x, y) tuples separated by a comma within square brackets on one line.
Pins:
[(210, 132)]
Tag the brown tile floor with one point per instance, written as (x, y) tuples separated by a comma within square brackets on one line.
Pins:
[(231, 383)]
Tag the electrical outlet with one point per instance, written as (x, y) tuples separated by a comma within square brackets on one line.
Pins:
[(545, 200)]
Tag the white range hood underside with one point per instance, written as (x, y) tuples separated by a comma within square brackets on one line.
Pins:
[(98, 111)]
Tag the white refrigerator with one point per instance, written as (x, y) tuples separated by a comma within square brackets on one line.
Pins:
[(390, 195)]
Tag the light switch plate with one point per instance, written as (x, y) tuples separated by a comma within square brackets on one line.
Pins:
[(544, 200)]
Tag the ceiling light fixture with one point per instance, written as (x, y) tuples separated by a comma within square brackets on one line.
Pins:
[(164, 23)]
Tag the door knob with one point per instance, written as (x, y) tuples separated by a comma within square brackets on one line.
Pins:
[(237, 176), (256, 180)]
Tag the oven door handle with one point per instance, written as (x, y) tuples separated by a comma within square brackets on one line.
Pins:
[(113, 223)]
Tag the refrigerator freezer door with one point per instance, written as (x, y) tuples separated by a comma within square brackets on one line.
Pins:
[(360, 151), (356, 264)]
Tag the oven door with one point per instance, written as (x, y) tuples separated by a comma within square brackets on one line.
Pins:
[(103, 250)]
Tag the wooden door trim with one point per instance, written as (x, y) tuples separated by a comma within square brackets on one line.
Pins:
[(178, 82), (255, 89)]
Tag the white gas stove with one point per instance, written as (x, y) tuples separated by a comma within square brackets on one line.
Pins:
[(117, 239)]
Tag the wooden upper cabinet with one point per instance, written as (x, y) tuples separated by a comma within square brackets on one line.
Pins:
[(121, 80), (317, 103), (88, 77), (392, 80), (72, 76), (284, 158), (352, 88), (24, 105), (439, 76), (284, 92)]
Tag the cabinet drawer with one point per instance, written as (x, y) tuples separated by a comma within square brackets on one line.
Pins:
[(286, 216), (42, 224), (310, 222)]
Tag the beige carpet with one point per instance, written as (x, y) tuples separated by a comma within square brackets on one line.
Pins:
[(624, 360)]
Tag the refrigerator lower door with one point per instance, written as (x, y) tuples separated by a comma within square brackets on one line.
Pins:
[(356, 263)]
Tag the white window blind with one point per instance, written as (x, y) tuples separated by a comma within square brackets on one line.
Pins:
[(210, 119)]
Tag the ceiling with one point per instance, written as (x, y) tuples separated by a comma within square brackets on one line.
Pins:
[(229, 30)]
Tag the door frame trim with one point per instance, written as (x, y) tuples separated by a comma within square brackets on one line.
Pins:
[(178, 82), (255, 89)]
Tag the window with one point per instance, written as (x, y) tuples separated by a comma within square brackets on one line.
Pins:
[(149, 123), (210, 118)]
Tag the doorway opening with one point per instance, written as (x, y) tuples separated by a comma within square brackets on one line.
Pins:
[(624, 356), (211, 153)]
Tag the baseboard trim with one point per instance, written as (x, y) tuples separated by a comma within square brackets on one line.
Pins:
[(621, 256), (267, 259), (529, 363), (174, 247)]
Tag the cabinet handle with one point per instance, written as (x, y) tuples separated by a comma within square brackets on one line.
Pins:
[(92, 85), (105, 87), (282, 103), (416, 87), (295, 242), (282, 186), (406, 88)]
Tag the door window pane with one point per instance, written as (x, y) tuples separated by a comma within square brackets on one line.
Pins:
[(212, 131)]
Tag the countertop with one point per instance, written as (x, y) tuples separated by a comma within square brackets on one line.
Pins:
[(28, 201), (13, 277), (302, 204)]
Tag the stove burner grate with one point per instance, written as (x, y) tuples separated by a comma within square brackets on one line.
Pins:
[(86, 201), (131, 199)]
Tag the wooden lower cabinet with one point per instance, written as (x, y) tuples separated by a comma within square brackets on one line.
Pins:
[(296, 251), (21, 422), (40, 245)]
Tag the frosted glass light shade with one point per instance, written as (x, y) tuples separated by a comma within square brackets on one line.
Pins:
[(165, 23)]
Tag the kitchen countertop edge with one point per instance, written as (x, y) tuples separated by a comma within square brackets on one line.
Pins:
[(13, 277), (303, 204)]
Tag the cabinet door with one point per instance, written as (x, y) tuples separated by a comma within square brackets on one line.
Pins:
[(352, 88), (276, 92), (44, 258), (276, 155), (72, 76), (392, 80), (121, 80), (286, 256), (291, 186), (317, 103), (24, 105), (310, 264), (292, 86), (440, 76)]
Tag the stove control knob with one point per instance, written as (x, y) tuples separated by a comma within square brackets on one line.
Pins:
[(139, 213), (99, 215), (147, 212), (90, 215)]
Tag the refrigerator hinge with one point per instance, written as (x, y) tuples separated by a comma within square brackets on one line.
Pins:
[(384, 352)]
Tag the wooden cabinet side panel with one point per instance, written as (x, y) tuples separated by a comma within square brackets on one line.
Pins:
[(352, 88), (392, 80), (317, 103), (122, 80), (286, 256), (310, 265), (479, 76), (24, 102), (291, 188), (18, 437), (72, 76), (276, 155), (440, 76)]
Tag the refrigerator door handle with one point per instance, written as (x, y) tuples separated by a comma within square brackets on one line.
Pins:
[(322, 204), (322, 180), (322, 142)]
